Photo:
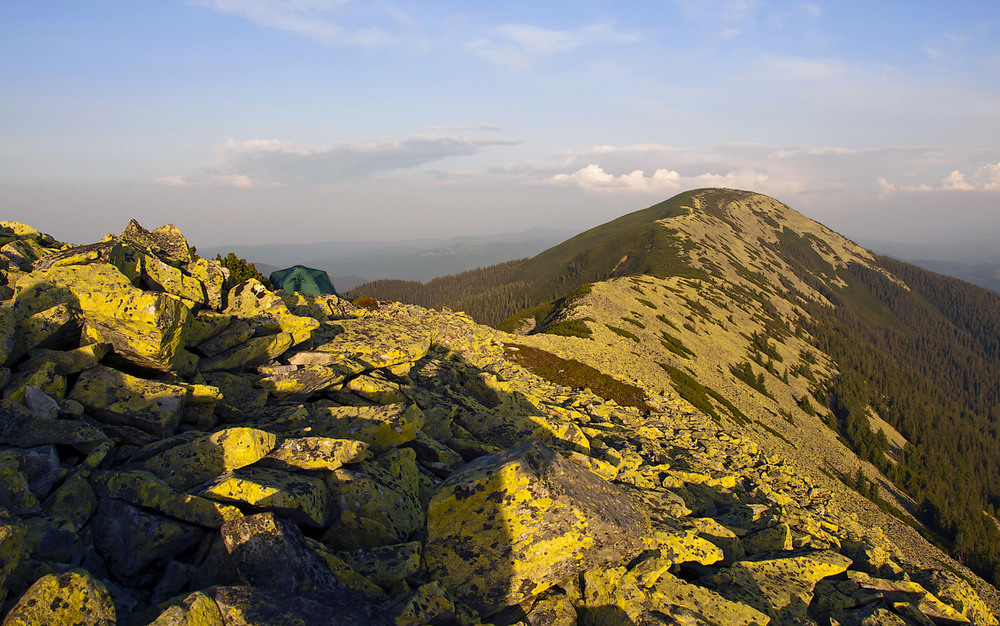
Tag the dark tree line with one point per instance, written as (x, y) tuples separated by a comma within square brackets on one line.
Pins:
[(927, 360), (488, 294)]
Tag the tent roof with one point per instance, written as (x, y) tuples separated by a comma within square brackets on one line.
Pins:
[(301, 278)]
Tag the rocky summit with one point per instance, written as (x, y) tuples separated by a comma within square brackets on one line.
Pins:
[(179, 449)]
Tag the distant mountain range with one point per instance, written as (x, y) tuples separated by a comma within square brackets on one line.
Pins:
[(976, 262), (350, 263)]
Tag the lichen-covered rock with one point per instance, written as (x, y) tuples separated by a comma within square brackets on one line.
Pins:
[(147, 491), (47, 378), (770, 539), (166, 241), (899, 593), (132, 540), (52, 327), (271, 554), (67, 361), (11, 552), (194, 609), (957, 593), (374, 341), (15, 495), (428, 604), (74, 501), (203, 458), (251, 300), (381, 427), (250, 353), (146, 328), (316, 453), (214, 334), (510, 525), (212, 276), (780, 587), (72, 598), (159, 276), (302, 382), (385, 565), (301, 498), (378, 502), (117, 398), (376, 390)]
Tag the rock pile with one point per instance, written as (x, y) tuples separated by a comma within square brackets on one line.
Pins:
[(177, 449)]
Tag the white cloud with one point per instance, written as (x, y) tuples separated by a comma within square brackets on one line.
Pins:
[(240, 181), (594, 178), (173, 181), (985, 178), (517, 46), (310, 18)]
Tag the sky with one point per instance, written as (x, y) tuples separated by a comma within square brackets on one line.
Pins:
[(254, 121)]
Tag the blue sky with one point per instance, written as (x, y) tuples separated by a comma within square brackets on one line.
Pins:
[(246, 121)]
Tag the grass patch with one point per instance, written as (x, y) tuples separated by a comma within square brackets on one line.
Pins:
[(633, 322), (699, 395), (622, 332), (572, 373), (646, 303), (571, 328), (675, 345), (666, 320)]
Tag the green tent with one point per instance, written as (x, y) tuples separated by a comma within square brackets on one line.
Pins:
[(301, 278)]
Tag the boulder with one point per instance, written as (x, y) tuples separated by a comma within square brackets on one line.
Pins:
[(957, 593), (212, 276), (215, 334), (159, 276), (374, 341), (428, 604), (381, 427), (781, 587), (302, 382), (302, 498), (316, 453), (271, 554), (385, 565), (378, 502), (11, 552), (251, 300), (508, 526), (74, 501), (615, 595), (114, 397), (133, 541), (250, 353), (194, 609), (145, 328), (145, 490), (72, 597), (67, 361), (203, 458), (166, 241), (55, 326)]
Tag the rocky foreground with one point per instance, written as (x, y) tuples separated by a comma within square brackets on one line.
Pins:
[(178, 449)]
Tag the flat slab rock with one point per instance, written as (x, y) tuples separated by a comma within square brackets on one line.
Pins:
[(509, 525)]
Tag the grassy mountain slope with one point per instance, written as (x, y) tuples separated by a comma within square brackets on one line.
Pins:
[(770, 321), (811, 340)]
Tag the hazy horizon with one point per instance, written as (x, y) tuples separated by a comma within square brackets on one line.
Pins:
[(251, 121)]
